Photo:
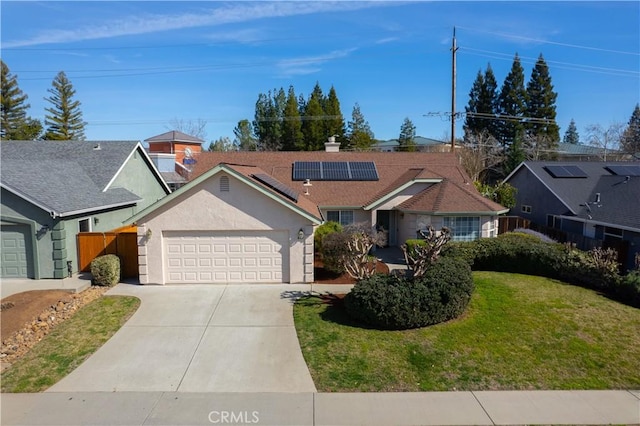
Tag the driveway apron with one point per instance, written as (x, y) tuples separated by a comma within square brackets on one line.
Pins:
[(200, 338)]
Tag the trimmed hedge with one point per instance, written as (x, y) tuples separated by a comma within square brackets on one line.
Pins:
[(527, 254), (106, 270), (322, 231), (398, 303)]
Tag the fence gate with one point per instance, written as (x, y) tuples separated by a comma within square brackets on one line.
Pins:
[(122, 242)]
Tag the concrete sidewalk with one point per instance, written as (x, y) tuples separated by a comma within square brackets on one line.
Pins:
[(307, 408), (73, 284)]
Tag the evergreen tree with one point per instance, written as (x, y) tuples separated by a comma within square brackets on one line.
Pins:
[(541, 108), (292, 137), (313, 123), (630, 141), (407, 138), (512, 104), (334, 122), (571, 135), (15, 123), (222, 144), (483, 105), (267, 124), (359, 133), (64, 120), (244, 140)]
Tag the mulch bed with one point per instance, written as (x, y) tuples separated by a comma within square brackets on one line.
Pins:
[(322, 276)]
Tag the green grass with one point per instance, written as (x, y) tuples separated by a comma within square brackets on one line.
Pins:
[(519, 332), (69, 344)]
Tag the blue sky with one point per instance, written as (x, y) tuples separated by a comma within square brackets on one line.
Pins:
[(138, 67)]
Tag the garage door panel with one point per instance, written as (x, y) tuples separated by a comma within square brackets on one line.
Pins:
[(15, 250), (234, 256)]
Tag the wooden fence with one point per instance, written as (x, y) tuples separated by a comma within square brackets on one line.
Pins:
[(122, 242)]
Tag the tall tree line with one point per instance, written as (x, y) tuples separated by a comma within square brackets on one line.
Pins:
[(284, 121), (518, 120), (64, 119)]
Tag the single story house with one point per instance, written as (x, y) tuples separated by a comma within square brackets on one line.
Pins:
[(52, 190), (593, 199), (250, 216)]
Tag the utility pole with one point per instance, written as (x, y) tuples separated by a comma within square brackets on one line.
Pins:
[(454, 49)]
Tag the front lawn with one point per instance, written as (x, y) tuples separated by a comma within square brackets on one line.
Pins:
[(69, 344), (519, 332)]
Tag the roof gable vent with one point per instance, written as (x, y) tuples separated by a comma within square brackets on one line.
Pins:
[(224, 183)]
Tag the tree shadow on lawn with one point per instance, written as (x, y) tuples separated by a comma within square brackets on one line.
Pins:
[(335, 311)]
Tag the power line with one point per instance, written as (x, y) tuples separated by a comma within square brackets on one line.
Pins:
[(575, 46)]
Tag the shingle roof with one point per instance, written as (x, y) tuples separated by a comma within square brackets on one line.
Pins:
[(394, 170), (448, 198), (66, 176), (619, 201), (574, 191), (174, 136)]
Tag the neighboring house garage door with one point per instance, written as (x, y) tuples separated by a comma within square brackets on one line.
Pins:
[(226, 257), (16, 251)]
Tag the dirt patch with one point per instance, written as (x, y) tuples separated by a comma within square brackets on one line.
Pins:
[(29, 316), (323, 276)]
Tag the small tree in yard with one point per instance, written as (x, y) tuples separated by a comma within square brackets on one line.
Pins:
[(422, 256), (349, 250)]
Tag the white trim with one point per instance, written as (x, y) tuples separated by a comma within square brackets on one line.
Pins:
[(28, 199), (388, 195), (89, 221), (149, 162)]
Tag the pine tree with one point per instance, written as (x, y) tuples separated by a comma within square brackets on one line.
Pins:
[(483, 105), (292, 137), (630, 141), (541, 108), (359, 133), (244, 140), (571, 135), (267, 124), (512, 104), (65, 119), (15, 123), (334, 122), (313, 123), (407, 138)]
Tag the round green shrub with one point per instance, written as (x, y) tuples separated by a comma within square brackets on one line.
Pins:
[(106, 270), (322, 231), (397, 303)]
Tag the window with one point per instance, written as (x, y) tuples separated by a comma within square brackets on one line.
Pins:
[(463, 228), (84, 225), (526, 209), (343, 217)]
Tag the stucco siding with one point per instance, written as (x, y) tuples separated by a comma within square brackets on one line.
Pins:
[(206, 207)]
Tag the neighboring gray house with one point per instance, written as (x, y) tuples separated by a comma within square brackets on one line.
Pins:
[(422, 144), (597, 200), (580, 152), (51, 190)]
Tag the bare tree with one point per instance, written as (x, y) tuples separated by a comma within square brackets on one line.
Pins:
[(424, 255), (194, 128), (480, 153), (606, 139)]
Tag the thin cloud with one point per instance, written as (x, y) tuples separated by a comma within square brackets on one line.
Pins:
[(152, 23), (248, 36), (310, 64), (387, 40)]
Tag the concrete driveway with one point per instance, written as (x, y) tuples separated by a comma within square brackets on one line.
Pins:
[(200, 338)]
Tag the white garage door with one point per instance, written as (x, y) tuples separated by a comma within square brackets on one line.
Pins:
[(226, 257)]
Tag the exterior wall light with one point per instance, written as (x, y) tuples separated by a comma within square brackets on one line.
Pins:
[(301, 234), (148, 234)]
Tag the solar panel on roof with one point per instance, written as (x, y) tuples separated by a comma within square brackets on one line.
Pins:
[(363, 170), (335, 170), (276, 185), (624, 170), (569, 171)]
